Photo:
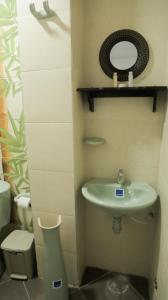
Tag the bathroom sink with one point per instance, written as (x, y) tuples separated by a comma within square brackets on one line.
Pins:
[(121, 199)]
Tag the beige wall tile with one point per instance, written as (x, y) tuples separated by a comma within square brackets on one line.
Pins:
[(45, 45), (23, 6), (49, 98), (71, 268), (127, 109), (142, 173), (50, 146), (52, 192), (134, 146), (67, 231)]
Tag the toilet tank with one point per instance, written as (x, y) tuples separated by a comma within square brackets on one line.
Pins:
[(5, 203)]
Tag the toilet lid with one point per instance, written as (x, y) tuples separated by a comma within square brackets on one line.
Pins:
[(18, 241)]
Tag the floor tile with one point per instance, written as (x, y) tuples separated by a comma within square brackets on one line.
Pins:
[(4, 278), (2, 266), (95, 287), (76, 296), (98, 290), (92, 274), (95, 291), (141, 285), (35, 288), (13, 290), (73, 290)]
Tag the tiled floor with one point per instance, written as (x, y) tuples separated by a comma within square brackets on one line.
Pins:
[(92, 288), (95, 281), (21, 290)]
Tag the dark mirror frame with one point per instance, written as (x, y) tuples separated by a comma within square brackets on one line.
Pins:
[(124, 35)]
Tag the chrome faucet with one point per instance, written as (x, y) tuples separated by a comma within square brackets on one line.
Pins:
[(120, 176), (120, 179)]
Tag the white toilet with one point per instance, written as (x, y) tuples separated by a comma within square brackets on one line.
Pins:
[(5, 203), (5, 211)]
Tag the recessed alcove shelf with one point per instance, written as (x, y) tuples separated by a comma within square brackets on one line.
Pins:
[(108, 92)]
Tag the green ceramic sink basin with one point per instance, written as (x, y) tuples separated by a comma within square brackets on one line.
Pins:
[(121, 199)]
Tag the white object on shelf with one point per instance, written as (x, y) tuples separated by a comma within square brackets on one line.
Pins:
[(94, 141), (130, 79), (122, 85), (115, 79)]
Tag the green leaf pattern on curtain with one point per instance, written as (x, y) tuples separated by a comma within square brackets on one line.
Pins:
[(10, 85), (9, 46)]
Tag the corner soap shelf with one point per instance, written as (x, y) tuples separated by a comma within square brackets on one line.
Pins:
[(109, 92), (94, 141)]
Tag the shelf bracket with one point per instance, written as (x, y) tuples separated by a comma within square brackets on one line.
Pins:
[(91, 102), (154, 101), (91, 94)]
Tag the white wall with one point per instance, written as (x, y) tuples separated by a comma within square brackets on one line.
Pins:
[(56, 122), (133, 133), (47, 94), (104, 17), (78, 124), (162, 274)]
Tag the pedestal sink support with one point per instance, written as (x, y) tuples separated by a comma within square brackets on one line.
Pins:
[(117, 224)]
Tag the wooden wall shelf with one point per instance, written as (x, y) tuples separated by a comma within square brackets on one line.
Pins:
[(109, 92)]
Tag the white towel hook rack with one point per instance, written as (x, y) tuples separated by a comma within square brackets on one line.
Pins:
[(47, 13)]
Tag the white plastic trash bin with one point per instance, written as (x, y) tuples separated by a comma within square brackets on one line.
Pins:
[(55, 280), (19, 253)]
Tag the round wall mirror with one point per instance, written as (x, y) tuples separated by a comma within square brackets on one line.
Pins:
[(124, 51), (123, 55)]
